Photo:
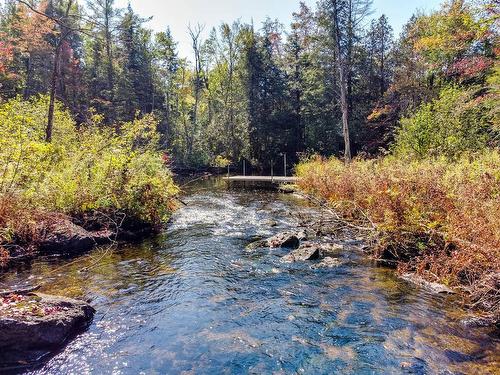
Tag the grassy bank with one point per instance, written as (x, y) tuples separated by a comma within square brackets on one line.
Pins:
[(113, 171), (438, 218)]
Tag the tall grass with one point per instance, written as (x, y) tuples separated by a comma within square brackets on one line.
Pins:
[(436, 217)]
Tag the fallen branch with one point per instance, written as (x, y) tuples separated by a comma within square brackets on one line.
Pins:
[(337, 217), (24, 291), (202, 177)]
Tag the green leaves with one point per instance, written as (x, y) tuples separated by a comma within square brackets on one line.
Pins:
[(448, 126), (93, 168)]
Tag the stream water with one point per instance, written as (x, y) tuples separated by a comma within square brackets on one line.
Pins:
[(195, 301)]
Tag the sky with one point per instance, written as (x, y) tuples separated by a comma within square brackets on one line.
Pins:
[(178, 14)]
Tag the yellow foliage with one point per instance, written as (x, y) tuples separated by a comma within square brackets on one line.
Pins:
[(91, 168), (457, 201)]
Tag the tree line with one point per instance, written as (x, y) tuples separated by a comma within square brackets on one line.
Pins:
[(336, 82)]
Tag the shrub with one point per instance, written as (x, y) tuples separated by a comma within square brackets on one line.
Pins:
[(438, 218), (449, 126), (83, 169), (221, 162)]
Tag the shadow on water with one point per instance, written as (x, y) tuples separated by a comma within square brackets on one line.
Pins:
[(193, 300)]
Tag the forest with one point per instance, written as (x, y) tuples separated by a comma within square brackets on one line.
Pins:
[(398, 135), (256, 92)]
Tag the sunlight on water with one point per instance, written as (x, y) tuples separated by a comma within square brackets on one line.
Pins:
[(194, 301)]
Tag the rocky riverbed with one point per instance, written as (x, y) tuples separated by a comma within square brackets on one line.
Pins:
[(201, 298)]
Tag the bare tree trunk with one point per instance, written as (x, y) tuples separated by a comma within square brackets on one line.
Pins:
[(65, 31), (109, 52), (152, 85), (195, 37), (382, 66), (348, 58), (53, 83), (344, 104), (108, 14), (26, 93), (301, 130), (342, 65)]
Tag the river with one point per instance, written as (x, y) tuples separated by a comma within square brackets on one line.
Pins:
[(194, 301)]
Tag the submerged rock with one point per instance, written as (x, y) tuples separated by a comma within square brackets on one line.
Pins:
[(481, 321), (328, 262), (428, 285), (40, 322), (272, 223), (312, 251)]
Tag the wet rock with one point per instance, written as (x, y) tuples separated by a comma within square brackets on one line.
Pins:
[(430, 286), (135, 232), (456, 356), (64, 237), (272, 223), (52, 321), (328, 262), (417, 367), (289, 240), (312, 251), (303, 253), (287, 189), (116, 225)]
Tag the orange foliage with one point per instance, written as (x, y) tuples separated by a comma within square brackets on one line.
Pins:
[(379, 112), (449, 214), (32, 28), (5, 56)]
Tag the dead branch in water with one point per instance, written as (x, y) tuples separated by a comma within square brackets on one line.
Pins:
[(202, 177), (337, 217)]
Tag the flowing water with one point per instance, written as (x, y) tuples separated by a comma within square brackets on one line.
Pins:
[(195, 301)]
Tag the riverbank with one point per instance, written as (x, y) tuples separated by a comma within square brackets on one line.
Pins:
[(89, 185), (439, 220), (39, 234)]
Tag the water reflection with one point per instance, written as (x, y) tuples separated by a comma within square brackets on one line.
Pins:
[(194, 301)]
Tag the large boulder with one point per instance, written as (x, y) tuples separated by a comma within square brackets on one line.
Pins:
[(40, 321), (62, 236), (289, 240)]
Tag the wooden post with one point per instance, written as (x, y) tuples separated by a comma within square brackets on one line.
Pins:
[(244, 168), (284, 161)]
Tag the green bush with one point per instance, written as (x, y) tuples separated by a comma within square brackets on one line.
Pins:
[(451, 125), (83, 169)]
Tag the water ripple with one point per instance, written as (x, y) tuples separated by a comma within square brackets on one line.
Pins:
[(194, 301)]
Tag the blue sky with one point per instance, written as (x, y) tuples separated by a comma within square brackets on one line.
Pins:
[(178, 14)]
